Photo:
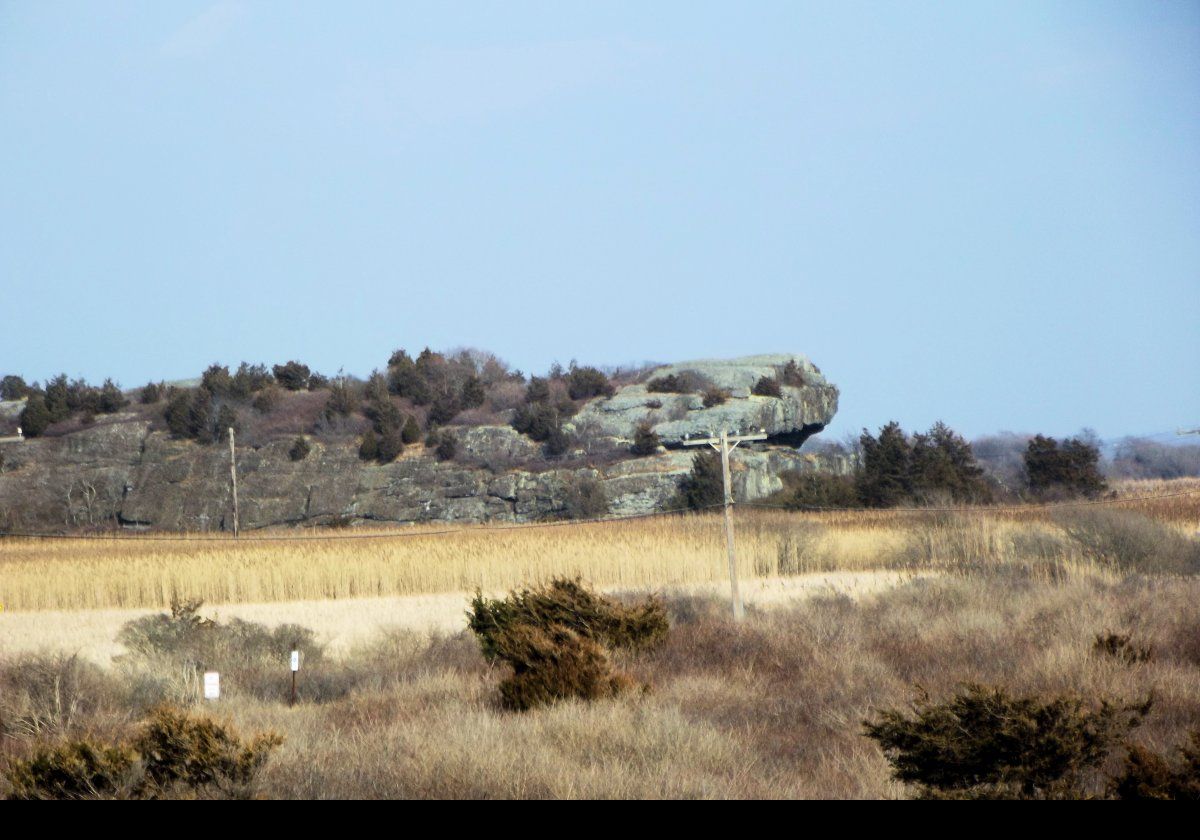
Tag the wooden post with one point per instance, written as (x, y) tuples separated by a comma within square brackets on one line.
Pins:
[(738, 611), (233, 476), (721, 444)]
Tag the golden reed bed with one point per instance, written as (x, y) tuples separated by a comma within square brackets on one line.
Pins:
[(132, 571)]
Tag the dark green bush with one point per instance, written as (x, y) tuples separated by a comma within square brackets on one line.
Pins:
[(1069, 469), (217, 381), (703, 488), (152, 392), (299, 449), (249, 380), (13, 387), (411, 432), (568, 603), (815, 490), (368, 447), (685, 382), (583, 383), (293, 376), (985, 744), (35, 417), (343, 399), (391, 446), (447, 446), (645, 440)]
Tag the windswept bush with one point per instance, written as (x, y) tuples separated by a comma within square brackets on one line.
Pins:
[(175, 755), (584, 498), (1071, 468), (1149, 775), (583, 383), (552, 664), (569, 604), (987, 744), (715, 396)]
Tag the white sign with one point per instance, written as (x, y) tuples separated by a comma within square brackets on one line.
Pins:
[(212, 685), (295, 660)]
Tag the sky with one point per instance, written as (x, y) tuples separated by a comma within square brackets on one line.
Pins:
[(984, 213)]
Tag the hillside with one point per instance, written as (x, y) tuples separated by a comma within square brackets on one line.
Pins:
[(437, 438)]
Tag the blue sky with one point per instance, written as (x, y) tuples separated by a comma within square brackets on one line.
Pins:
[(987, 213)]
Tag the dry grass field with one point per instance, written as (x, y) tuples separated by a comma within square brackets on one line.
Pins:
[(771, 707)]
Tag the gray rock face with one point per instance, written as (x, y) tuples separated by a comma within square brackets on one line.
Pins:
[(789, 419), (120, 472)]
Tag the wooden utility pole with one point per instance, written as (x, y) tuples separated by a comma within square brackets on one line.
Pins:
[(233, 475), (722, 445)]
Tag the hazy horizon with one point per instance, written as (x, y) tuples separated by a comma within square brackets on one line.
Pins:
[(988, 215)]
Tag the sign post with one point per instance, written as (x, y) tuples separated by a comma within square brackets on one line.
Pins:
[(212, 685), (295, 669)]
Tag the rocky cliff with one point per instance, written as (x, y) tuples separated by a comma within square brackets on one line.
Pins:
[(124, 471)]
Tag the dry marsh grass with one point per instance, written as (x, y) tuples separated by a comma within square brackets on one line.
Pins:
[(127, 572), (772, 707)]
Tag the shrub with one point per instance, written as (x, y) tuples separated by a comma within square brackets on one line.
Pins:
[(1130, 541), (645, 440), (216, 380), (885, 478), (537, 421), (368, 447), (174, 754), (568, 603), (35, 417), (293, 376), (584, 498), (410, 432), (815, 490), (299, 449), (343, 399), (557, 443), (715, 396), (199, 755), (984, 743), (767, 387), (703, 487), (1123, 648), (152, 392), (447, 446), (684, 382), (1069, 469), (1148, 775), (792, 374), (227, 419), (583, 383), (391, 446), (13, 388), (552, 664), (110, 398), (267, 400), (73, 770), (249, 380)]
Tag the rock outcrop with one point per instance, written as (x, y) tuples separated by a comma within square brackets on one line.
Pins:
[(122, 471)]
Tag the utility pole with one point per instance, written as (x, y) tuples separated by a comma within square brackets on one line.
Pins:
[(233, 475), (722, 445)]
